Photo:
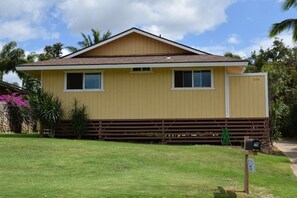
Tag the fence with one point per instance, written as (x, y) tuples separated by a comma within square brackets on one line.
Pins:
[(173, 131)]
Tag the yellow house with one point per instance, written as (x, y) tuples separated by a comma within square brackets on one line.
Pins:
[(139, 86)]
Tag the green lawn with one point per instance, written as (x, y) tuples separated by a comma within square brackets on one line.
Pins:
[(42, 167)]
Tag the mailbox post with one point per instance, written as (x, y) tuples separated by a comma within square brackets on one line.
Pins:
[(246, 170), (253, 145)]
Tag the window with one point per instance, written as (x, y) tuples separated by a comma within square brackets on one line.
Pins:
[(84, 81), (141, 69), (93, 81), (74, 80), (192, 79)]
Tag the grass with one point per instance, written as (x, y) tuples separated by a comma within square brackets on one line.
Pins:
[(42, 167)]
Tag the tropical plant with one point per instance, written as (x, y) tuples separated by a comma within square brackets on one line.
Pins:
[(79, 118), (71, 48), (46, 109), (279, 93), (231, 55), (10, 56), (88, 41), (17, 108), (30, 84), (288, 24), (279, 61), (51, 52)]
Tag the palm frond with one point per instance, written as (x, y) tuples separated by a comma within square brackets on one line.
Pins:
[(287, 4), (90, 42), (7, 48), (85, 42), (81, 44), (295, 32), (31, 57), (106, 35), (96, 35), (287, 24), (71, 48), (10, 56)]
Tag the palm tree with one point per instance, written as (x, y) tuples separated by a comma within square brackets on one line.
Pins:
[(288, 24), (88, 41), (10, 56)]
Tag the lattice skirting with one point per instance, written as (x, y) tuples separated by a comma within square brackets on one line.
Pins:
[(174, 131)]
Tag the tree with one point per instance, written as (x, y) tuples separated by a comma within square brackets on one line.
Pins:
[(278, 52), (10, 56), (231, 55), (51, 52), (88, 41), (279, 61), (288, 24)]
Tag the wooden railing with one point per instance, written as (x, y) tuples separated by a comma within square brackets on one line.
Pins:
[(175, 131)]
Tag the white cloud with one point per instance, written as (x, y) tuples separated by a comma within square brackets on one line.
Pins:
[(17, 30), (12, 77), (233, 39), (265, 43), (22, 30), (254, 45), (23, 20), (171, 18), (29, 9), (214, 49), (65, 52)]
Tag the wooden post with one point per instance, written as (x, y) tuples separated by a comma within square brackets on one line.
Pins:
[(163, 131), (100, 130), (246, 169)]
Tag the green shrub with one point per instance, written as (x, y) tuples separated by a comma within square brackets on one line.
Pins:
[(79, 119), (47, 109)]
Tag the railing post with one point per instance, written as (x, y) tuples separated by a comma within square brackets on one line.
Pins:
[(163, 131), (100, 130)]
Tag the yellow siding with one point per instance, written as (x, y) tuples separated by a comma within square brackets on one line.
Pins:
[(247, 96), (147, 95), (134, 44), (235, 70)]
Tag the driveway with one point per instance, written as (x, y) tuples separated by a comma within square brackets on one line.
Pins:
[(289, 148)]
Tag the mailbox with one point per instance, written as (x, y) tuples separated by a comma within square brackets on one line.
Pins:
[(253, 145)]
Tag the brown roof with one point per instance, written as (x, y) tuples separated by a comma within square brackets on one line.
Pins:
[(134, 60), (4, 86)]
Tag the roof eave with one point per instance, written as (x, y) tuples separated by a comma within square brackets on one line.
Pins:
[(12, 87), (130, 65)]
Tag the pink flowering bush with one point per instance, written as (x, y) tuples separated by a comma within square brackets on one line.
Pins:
[(14, 99), (17, 107)]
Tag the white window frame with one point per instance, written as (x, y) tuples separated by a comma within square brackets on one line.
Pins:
[(83, 85), (193, 88)]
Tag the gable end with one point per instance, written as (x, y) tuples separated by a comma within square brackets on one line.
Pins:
[(135, 42)]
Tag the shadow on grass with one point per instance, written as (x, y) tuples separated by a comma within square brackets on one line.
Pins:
[(19, 135), (222, 193)]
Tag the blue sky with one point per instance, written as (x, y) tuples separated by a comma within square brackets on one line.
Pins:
[(215, 26)]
